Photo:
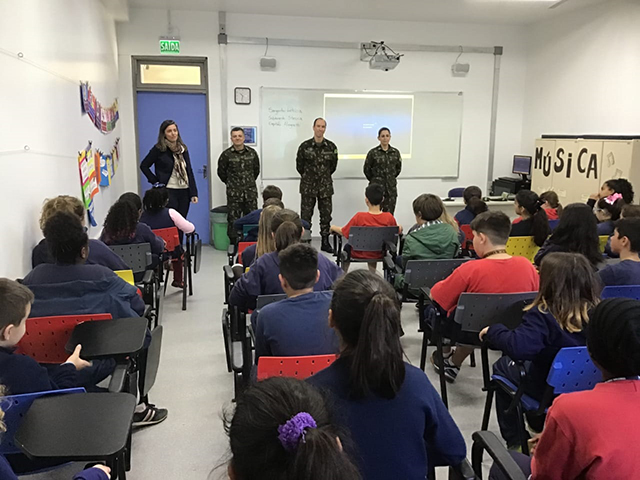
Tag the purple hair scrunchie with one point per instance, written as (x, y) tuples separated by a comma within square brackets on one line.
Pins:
[(293, 431)]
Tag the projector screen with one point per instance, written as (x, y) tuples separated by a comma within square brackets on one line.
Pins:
[(425, 127)]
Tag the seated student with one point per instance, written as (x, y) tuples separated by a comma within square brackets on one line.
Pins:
[(69, 247), (122, 227), (616, 185), (374, 217), (608, 210), (495, 272), (298, 325), (99, 253), (398, 422), (556, 319), (156, 215), (263, 276), (266, 242), (433, 239), (625, 243), (253, 218), (576, 232), (22, 374), (474, 205), (291, 426), (627, 211), (551, 204), (533, 221), (593, 434)]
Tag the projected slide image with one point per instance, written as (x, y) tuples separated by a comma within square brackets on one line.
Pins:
[(353, 121)]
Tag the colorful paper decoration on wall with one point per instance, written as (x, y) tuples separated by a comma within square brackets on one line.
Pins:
[(104, 118), (88, 181), (108, 164)]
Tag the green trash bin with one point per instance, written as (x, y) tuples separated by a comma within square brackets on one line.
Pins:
[(219, 236)]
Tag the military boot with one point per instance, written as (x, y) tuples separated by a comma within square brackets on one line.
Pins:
[(326, 246)]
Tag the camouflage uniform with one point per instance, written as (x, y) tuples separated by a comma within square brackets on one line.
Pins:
[(239, 171), (315, 163), (382, 168)]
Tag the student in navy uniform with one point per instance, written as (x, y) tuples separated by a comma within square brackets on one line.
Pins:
[(99, 253), (263, 276), (625, 242), (252, 218), (298, 325), (532, 220), (266, 242), (292, 427), (398, 422), (474, 205), (557, 318), (608, 210)]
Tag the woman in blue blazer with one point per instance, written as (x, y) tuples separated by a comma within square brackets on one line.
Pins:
[(172, 168)]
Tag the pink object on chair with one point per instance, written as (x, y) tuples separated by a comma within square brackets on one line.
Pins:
[(46, 337), (298, 367)]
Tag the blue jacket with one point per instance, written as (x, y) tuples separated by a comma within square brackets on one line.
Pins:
[(606, 228), (89, 474), (108, 295), (626, 272), (398, 438), (22, 374), (465, 217), (164, 163), (262, 279), (99, 254), (538, 338), (253, 218)]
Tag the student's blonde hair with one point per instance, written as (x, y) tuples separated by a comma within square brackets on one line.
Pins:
[(61, 203), (568, 290), (446, 218), (266, 242)]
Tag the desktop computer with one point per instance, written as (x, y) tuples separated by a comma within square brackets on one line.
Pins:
[(510, 185)]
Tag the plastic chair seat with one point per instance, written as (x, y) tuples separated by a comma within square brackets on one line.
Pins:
[(171, 237), (522, 247), (126, 275), (603, 239), (136, 255), (529, 403), (298, 367)]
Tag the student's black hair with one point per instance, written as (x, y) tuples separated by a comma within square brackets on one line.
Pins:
[(629, 211), (384, 129), (132, 197), (271, 191), (495, 225), (316, 121), (287, 227), (374, 193), (65, 237), (630, 228), (237, 129), (366, 313), (254, 438), (613, 208), (299, 265), (577, 232), (552, 199), (623, 187), (121, 221), (273, 201), (472, 197), (613, 337), (14, 299), (155, 199), (531, 202), (428, 206), (161, 144)]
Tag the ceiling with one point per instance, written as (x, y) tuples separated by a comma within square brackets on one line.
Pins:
[(508, 12)]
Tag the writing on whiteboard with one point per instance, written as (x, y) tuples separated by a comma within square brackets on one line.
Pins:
[(286, 117)]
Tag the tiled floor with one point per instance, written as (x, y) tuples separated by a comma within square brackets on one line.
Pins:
[(194, 385)]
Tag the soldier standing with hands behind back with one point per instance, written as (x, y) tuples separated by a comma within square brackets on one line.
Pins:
[(382, 166), (316, 161), (238, 168)]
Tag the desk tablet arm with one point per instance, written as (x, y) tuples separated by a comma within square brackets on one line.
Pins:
[(488, 441), (118, 377)]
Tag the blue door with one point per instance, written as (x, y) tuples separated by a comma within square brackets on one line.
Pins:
[(189, 111)]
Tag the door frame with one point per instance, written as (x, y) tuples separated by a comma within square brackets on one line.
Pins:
[(203, 88)]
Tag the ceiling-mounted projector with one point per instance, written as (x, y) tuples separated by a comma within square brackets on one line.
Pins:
[(379, 56)]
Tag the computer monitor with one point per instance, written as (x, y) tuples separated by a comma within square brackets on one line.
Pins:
[(521, 165)]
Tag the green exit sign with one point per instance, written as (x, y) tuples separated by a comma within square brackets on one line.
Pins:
[(170, 46)]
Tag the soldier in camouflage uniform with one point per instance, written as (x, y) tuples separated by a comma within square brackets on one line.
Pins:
[(238, 168), (382, 166), (316, 161)]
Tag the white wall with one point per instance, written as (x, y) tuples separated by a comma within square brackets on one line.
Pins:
[(582, 73), (71, 40), (331, 68)]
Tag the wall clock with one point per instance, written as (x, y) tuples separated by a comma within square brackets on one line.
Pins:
[(242, 96)]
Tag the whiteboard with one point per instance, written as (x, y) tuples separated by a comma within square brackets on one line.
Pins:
[(425, 126)]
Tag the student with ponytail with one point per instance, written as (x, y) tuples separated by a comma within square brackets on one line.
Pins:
[(533, 220), (474, 205), (282, 429), (262, 278), (398, 422)]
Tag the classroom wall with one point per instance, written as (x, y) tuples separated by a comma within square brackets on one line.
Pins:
[(582, 73), (62, 43), (341, 69)]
